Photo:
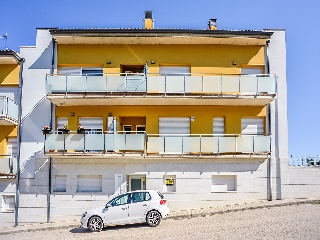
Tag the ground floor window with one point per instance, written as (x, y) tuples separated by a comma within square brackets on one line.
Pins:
[(60, 183), (8, 203), (137, 182), (89, 183), (224, 183)]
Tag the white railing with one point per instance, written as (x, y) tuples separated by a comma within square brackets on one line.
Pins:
[(157, 144), (8, 165), (166, 84), (8, 108)]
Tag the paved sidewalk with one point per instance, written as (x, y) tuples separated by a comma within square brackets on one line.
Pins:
[(190, 213)]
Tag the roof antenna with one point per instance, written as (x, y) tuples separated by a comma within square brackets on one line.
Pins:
[(5, 37)]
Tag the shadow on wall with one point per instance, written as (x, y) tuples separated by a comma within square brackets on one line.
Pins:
[(32, 124), (43, 62)]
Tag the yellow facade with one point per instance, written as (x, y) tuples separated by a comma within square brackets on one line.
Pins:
[(202, 124), (202, 59)]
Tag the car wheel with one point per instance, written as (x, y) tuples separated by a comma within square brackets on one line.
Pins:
[(153, 218), (95, 224)]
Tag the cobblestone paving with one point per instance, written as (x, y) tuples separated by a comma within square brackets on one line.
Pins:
[(282, 222)]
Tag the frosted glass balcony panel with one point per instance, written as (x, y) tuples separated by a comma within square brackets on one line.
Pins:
[(155, 145), (94, 142), (193, 84), (119, 142), (14, 165), (56, 84), (191, 144), (12, 109), (74, 142), (96, 84), (54, 142), (174, 84), (136, 84), (76, 83), (4, 165), (248, 84), (135, 142), (2, 106), (109, 142), (116, 83), (245, 144), (262, 144), (209, 144), (212, 84), (267, 84), (230, 84), (156, 84), (227, 144), (173, 145)]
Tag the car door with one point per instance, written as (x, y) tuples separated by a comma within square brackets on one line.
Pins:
[(140, 202), (118, 210)]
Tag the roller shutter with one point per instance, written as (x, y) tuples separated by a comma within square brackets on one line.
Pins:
[(92, 124), (174, 125), (218, 125), (252, 126)]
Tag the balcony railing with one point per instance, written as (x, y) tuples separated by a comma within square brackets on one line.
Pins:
[(147, 144), (151, 84), (8, 110), (8, 165)]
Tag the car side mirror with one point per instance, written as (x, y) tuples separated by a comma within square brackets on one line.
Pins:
[(108, 205)]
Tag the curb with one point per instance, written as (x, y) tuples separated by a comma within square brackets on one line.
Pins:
[(192, 213)]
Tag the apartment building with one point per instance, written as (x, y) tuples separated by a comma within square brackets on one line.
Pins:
[(10, 69), (193, 113)]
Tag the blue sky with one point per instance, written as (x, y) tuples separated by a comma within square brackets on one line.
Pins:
[(301, 19)]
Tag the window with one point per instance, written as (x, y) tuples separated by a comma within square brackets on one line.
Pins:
[(169, 183), (93, 125), (77, 71), (140, 129), (224, 183), (61, 122), (175, 70), (140, 197), (252, 126), (120, 200), (218, 125), (8, 203), (174, 125), (127, 129), (59, 183), (89, 183)]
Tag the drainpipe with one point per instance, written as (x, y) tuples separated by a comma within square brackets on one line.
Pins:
[(51, 121), (269, 182), (17, 197)]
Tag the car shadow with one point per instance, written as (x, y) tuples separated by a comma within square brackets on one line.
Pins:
[(111, 228)]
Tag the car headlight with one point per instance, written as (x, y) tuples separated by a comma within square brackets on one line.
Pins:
[(84, 214)]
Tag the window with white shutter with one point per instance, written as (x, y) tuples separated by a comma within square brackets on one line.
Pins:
[(218, 125), (252, 126), (93, 125), (89, 183), (174, 125)]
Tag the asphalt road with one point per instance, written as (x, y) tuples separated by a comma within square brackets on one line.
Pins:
[(288, 222)]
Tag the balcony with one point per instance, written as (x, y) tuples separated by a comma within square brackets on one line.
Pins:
[(8, 166), (8, 111), (119, 143), (151, 89)]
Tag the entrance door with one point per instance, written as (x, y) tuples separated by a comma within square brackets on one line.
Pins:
[(137, 183)]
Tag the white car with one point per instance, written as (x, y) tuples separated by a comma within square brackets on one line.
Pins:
[(131, 207)]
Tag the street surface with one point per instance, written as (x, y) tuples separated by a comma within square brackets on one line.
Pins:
[(289, 222)]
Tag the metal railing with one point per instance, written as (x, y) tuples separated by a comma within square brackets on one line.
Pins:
[(8, 108), (168, 144), (163, 84), (8, 165)]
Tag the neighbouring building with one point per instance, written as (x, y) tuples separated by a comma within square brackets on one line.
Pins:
[(10, 83), (200, 115)]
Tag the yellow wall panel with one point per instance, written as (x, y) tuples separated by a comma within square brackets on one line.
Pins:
[(5, 132), (9, 74)]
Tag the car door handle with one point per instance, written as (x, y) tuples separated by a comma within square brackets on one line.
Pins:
[(144, 205), (124, 208)]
